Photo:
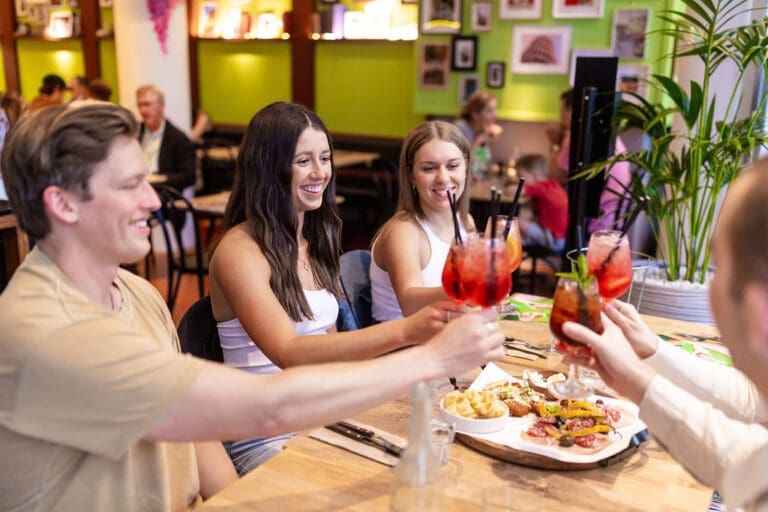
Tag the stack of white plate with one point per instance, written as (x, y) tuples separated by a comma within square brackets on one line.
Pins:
[(681, 300)]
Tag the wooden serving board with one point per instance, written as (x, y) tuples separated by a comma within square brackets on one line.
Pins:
[(534, 460)]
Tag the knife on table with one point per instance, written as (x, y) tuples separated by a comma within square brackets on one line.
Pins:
[(366, 436)]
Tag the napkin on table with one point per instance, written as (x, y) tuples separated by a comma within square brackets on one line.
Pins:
[(366, 450)]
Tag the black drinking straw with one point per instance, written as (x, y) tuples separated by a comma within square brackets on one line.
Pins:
[(630, 220), (455, 214), (513, 208)]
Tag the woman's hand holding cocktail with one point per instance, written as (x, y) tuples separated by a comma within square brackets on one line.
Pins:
[(467, 342), (613, 357), (430, 320)]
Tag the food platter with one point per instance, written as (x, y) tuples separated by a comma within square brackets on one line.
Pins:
[(512, 444)]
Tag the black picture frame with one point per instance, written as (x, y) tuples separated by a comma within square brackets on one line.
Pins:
[(495, 74), (409, 1), (464, 53)]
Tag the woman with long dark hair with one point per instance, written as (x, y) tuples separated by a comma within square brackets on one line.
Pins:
[(274, 275)]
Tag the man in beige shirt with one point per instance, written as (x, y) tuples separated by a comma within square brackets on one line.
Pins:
[(709, 417), (98, 411)]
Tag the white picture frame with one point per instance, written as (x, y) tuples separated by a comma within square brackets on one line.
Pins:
[(584, 9), (467, 85), (629, 32), (585, 52), (520, 9), (633, 78), (440, 16), (482, 17), (60, 25), (540, 49)]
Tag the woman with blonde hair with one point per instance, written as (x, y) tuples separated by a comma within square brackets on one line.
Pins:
[(409, 251)]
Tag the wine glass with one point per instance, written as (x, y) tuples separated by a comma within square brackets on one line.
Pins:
[(515, 249), (572, 303), (610, 260)]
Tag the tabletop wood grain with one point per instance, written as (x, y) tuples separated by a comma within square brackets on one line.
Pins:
[(312, 476)]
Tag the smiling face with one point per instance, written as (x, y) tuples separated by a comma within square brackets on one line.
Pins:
[(311, 170), (438, 166), (151, 109), (113, 222)]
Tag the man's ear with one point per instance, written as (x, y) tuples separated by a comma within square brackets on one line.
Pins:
[(60, 204), (756, 317)]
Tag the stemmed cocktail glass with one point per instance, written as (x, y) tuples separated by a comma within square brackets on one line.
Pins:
[(510, 227), (610, 260)]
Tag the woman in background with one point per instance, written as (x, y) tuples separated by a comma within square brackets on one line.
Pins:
[(409, 251), (274, 275), (11, 108), (477, 120)]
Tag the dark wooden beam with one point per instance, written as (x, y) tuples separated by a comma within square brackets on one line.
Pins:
[(194, 76), (8, 44), (89, 23), (302, 53)]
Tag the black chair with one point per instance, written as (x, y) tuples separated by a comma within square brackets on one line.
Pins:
[(198, 334), (356, 284), (538, 253), (174, 211), (218, 162)]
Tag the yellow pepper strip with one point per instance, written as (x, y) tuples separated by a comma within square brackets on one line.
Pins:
[(583, 404), (597, 429), (580, 413)]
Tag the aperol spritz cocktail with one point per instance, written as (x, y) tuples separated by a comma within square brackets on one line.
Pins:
[(610, 260), (451, 277), (486, 273), (514, 244), (574, 303)]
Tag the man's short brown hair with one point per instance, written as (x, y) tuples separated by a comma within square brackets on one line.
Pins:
[(58, 146)]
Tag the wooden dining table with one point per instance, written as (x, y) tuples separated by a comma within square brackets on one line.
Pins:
[(310, 475)]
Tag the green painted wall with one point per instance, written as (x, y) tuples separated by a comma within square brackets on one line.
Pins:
[(37, 58), (365, 87), (109, 66), (239, 78), (535, 97)]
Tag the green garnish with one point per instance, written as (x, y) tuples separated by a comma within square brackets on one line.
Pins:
[(579, 272)]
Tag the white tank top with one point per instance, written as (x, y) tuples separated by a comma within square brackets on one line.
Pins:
[(241, 352), (384, 301)]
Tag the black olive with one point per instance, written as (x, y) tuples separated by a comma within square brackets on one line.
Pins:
[(559, 421), (599, 402), (567, 440), (563, 403)]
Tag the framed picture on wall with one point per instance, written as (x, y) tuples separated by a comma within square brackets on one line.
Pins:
[(22, 8), (578, 8), (467, 85), (60, 25), (464, 52), (538, 49), (520, 9), (481, 17), (440, 16), (206, 22), (409, 1), (585, 52), (494, 75), (629, 30), (632, 78), (434, 64)]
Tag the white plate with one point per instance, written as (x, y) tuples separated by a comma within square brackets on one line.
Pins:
[(510, 435)]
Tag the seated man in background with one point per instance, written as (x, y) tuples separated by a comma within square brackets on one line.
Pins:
[(97, 409), (710, 417), (99, 90), (166, 149), (78, 87)]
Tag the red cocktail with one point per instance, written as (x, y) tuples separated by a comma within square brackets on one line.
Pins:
[(609, 259), (486, 273), (572, 304), (451, 278)]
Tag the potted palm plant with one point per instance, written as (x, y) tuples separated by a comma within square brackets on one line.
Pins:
[(688, 167)]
